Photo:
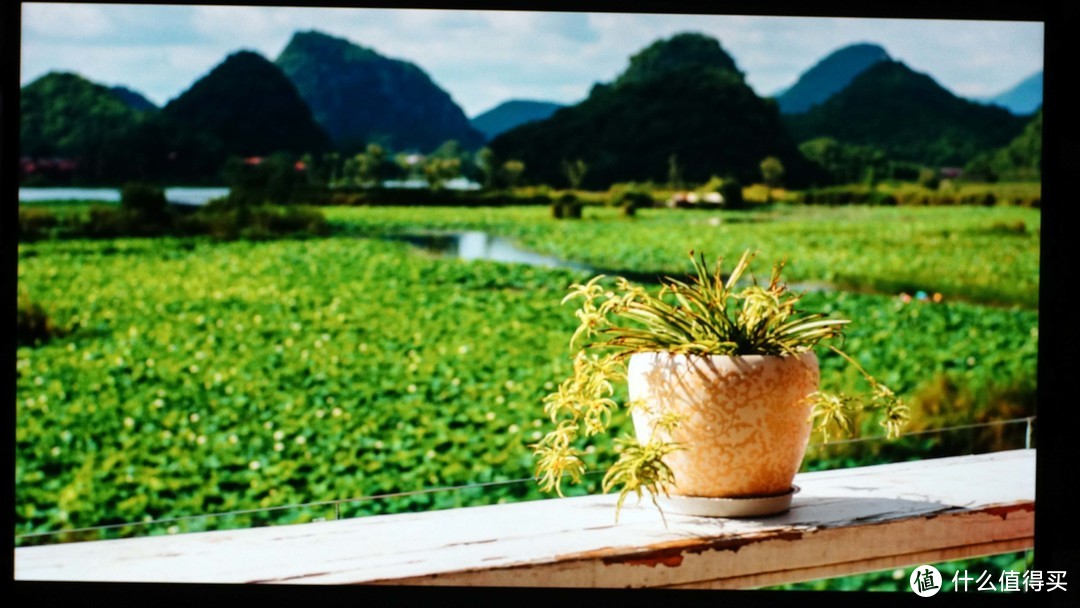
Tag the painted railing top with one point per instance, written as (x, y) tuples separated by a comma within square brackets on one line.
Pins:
[(842, 522)]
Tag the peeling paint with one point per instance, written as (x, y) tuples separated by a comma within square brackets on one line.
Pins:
[(672, 555), (1005, 511), (671, 561)]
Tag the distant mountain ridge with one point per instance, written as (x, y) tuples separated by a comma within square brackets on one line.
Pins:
[(681, 107), (133, 99), (361, 97), (1023, 99), (829, 76), (250, 105), (62, 114), (909, 116), (510, 114)]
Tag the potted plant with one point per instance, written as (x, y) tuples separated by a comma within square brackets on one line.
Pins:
[(723, 387)]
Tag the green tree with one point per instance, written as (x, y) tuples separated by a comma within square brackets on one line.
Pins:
[(575, 172), (371, 166), (438, 171), (485, 161), (929, 178), (510, 173), (845, 163), (675, 173), (255, 181), (772, 171)]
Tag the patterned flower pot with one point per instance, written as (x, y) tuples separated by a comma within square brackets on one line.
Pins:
[(744, 420)]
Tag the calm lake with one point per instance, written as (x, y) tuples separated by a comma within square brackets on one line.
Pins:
[(186, 196)]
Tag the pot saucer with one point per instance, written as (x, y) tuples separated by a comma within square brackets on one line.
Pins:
[(751, 506)]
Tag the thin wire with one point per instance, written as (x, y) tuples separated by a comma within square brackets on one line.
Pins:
[(1027, 443), (337, 503)]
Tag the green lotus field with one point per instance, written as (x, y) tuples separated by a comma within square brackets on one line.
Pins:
[(189, 377)]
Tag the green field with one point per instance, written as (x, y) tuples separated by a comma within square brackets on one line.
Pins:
[(199, 377), (986, 255)]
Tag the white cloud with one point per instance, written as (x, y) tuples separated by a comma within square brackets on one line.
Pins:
[(66, 21)]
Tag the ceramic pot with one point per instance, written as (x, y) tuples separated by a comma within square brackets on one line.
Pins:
[(745, 420)]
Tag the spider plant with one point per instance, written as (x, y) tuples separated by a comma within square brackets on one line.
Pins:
[(705, 315)]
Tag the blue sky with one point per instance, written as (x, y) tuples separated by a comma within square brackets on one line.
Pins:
[(485, 57)]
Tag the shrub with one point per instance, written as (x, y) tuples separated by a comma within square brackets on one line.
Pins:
[(107, 222), (34, 325), (567, 206), (929, 179), (36, 223), (629, 198), (731, 191), (291, 220), (256, 223), (144, 200)]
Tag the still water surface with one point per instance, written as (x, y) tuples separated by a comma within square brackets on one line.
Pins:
[(187, 196)]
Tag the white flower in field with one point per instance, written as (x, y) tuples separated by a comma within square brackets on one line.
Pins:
[(278, 435), (129, 422), (254, 465)]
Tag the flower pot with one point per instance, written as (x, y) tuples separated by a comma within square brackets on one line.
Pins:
[(744, 420)]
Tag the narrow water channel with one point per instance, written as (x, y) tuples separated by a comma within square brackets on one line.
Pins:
[(479, 245)]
